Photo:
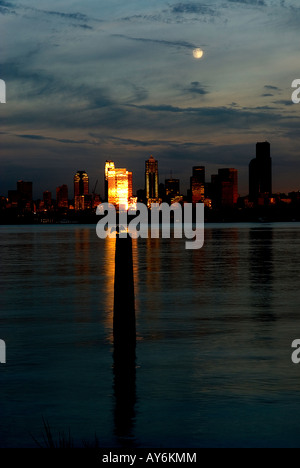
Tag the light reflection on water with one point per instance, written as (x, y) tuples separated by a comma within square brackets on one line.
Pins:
[(215, 327)]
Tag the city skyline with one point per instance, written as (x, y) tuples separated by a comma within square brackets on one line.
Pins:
[(117, 81), (118, 184)]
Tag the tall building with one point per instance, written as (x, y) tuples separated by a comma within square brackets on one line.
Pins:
[(224, 188), (24, 191), (151, 182), (172, 188), (47, 199), (24, 195), (108, 165), (198, 184), (62, 197), (260, 172), (81, 189), (119, 187), (81, 183)]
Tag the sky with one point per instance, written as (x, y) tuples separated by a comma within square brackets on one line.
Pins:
[(96, 80)]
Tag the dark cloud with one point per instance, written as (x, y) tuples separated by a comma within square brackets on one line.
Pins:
[(7, 8), (196, 88), (273, 88), (82, 19), (250, 2), (284, 102), (148, 143), (183, 44), (193, 8)]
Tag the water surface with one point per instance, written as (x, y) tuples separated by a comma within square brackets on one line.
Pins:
[(215, 328)]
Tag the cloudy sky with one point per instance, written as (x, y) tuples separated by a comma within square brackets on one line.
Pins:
[(114, 79)]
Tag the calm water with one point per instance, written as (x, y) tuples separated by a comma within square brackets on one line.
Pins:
[(215, 328)]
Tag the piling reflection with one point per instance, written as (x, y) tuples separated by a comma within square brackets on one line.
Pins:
[(124, 344)]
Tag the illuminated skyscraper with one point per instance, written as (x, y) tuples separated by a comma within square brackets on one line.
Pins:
[(198, 184), (172, 187), (108, 165), (81, 189), (81, 183), (119, 187), (260, 172), (151, 176)]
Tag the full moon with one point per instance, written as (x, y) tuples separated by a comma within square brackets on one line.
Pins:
[(198, 53)]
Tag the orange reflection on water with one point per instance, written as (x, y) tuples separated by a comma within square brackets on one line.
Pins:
[(109, 282)]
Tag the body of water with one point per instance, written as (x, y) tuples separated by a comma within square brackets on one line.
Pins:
[(214, 331)]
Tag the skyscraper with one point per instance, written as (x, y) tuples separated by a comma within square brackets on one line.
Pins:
[(62, 197), (229, 187), (108, 165), (260, 172), (198, 184), (81, 189), (224, 188), (47, 199), (24, 191), (119, 187), (24, 195), (172, 187), (151, 183)]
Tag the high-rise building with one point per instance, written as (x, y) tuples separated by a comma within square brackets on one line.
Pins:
[(260, 172), (228, 180), (119, 187), (81, 189), (24, 191), (24, 195), (172, 187), (151, 182), (197, 188), (81, 183), (108, 165), (224, 188), (62, 197), (47, 199)]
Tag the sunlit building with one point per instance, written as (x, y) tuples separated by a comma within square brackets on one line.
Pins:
[(108, 166), (119, 187)]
